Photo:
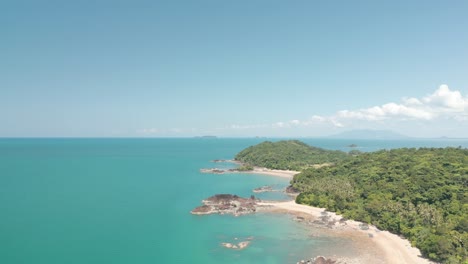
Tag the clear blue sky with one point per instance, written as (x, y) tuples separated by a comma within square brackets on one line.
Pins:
[(232, 68)]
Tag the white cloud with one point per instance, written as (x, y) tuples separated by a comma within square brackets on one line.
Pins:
[(447, 100), (386, 111), (336, 123), (295, 122), (148, 131), (160, 132), (443, 103), (444, 111), (314, 120), (176, 130), (280, 125), (242, 127), (411, 101), (317, 118), (291, 123)]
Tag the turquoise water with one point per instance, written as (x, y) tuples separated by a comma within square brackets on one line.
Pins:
[(128, 201)]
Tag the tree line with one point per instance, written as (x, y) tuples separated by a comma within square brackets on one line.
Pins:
[(421, 194)]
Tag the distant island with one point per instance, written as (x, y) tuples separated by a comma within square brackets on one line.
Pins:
[(369, 134), (421, 194)]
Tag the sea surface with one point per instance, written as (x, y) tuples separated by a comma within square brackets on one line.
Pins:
[(128, 201)]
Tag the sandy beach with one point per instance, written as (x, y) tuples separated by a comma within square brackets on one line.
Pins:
[(289, 174), (279, 173), (395, 249)]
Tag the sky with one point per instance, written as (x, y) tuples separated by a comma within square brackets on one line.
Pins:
[(232, 68)]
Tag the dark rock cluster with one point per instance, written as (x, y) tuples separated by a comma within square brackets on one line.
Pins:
[(265, 188), (227, 204), (317, 260)]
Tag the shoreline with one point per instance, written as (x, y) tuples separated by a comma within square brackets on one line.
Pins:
[(289, 174), (394, 249)]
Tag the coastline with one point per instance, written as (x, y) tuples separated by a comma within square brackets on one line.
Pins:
[(289, 174), (378, 246), (278, 173), (394, 249)]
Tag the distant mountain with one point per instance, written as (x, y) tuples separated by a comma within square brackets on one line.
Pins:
[(369, 134)]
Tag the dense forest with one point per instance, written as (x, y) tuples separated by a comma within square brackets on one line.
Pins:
[(421, 194), (287, 155)]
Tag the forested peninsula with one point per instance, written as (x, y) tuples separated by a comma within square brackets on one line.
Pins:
[(288, 155), (421, 194)]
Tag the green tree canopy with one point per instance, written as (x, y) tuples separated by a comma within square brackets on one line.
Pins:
[(419, 193), (287, 155)]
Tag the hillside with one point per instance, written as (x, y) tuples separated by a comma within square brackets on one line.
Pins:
[(287, 155), (419, 193)]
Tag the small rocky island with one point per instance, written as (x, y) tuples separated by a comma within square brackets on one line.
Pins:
[(215, 171), (227, 204), (266, 188), (243, 168), (224, 161), (239, 246)]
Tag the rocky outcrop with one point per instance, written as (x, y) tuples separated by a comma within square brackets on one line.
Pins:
[(227, 204), (317, 260), (262, 189), (240, 245), (292, 191), (224, 161), (214, 170), (221, 171)]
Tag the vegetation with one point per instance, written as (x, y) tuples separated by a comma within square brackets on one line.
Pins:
[(421, 194), (245, 168), (287, 155)]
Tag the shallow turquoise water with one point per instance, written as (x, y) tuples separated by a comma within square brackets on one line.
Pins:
[(128, 201)]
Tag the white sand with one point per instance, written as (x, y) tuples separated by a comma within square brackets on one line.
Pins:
[(279, 173), (396, 250)]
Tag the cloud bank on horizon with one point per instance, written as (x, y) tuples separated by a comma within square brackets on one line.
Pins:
[(441, 107), (442, 104)]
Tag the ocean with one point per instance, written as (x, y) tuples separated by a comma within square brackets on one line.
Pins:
[(129, 201)]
